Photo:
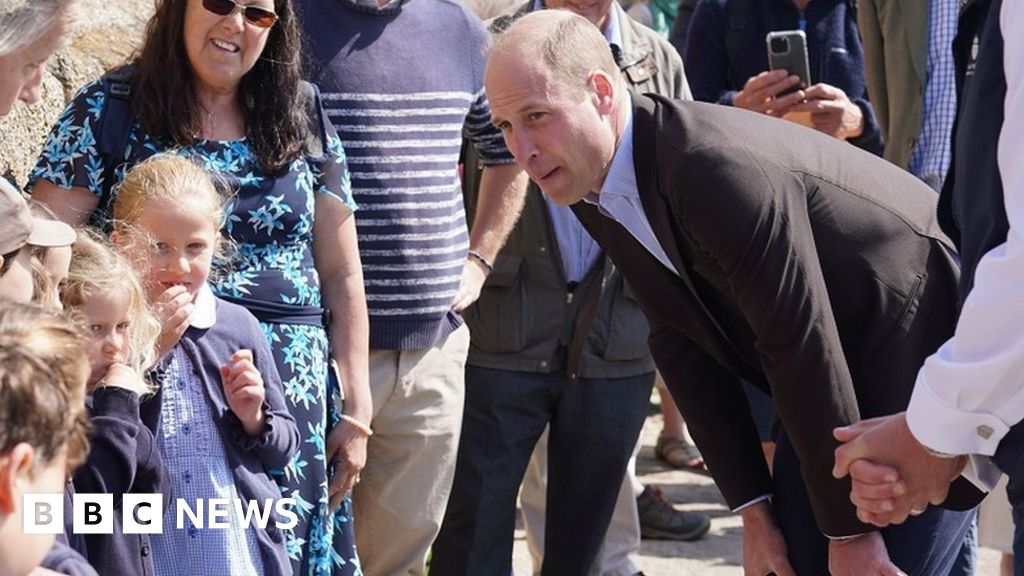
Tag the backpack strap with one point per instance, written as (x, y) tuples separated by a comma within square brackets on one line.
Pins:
[(309, 99), (740, 13), (112, 139)]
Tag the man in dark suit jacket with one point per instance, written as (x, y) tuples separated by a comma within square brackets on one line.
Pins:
[(760, 250)]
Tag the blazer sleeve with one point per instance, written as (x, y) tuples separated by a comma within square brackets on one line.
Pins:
[(714, 405), (750, 222), (279, 440)]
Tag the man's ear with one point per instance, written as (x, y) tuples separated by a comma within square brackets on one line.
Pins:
[(604, 91), (13, 465)]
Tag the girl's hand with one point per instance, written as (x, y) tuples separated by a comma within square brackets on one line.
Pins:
[(173, 308), (122, 376), (243, 388)]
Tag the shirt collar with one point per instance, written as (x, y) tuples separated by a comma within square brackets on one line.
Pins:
[(621, 177), (205, 314)]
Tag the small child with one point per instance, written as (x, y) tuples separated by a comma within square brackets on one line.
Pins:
[(105, 295), (19, 232), (43, 427), (223, 419)]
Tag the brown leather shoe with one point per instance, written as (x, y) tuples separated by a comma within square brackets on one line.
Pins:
[(659, 520), (678, 452)]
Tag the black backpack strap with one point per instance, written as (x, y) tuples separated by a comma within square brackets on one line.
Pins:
[(309, 100), (112, 139), (740, 12)]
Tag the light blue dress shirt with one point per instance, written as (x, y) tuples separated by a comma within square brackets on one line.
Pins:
[(620, 197), (578, 250), (931, 156)]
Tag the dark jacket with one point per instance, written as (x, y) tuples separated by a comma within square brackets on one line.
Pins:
[(803, 269), (971, 208), (123, 458), (527, 318), (833, 49), (248, 457)]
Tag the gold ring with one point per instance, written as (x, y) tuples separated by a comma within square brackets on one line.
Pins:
[(914, 512)]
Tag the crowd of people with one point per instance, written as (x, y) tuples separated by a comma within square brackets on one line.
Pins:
[(405, 264)]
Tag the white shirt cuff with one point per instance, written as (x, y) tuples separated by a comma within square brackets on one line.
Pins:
[(948, 429), (761, 498)]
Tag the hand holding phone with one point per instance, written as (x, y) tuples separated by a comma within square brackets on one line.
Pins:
[(787, 50)]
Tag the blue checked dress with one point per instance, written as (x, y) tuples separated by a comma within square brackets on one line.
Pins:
[(270, 220)]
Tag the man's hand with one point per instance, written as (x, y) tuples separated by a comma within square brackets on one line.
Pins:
[(764, 550), (832, 112), (346, 450), (473, 276), (759, 93), (893, 475), (864, 555), (173, 309), (243, 388)]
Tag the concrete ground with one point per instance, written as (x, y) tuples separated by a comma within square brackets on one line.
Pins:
[(720, 553)]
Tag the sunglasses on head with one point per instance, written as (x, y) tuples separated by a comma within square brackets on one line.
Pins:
[(253, 14)]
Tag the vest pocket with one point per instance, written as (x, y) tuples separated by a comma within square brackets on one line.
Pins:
[(627, 327), (495, 320)]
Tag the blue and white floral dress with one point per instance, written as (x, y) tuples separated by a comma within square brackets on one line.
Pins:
[(270, 220)]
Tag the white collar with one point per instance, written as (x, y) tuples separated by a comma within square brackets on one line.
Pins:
[(205, 313)]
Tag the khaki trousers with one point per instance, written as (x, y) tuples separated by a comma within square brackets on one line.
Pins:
[(417, 415)]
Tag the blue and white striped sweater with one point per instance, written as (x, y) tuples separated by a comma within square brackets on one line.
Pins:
[(401, 105)]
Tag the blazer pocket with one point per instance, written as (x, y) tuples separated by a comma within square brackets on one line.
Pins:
[(904, 318), (495, 319)]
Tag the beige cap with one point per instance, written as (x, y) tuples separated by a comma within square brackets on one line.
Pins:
[(18, 227)]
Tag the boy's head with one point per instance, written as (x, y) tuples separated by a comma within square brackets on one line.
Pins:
[(43, 424), (18, 229)]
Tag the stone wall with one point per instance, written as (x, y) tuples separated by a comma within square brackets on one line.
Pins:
[(108, 33)]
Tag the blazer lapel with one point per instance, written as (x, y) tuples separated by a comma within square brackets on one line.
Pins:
[(646, 130)]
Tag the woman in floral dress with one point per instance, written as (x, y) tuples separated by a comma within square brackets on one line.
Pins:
[(219, 82)]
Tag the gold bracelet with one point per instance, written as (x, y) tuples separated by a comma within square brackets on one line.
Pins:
[(357, 424)]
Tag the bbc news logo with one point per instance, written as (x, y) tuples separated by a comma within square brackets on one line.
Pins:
[(144, 513)]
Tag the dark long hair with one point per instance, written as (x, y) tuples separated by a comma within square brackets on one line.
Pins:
[(165, 98)]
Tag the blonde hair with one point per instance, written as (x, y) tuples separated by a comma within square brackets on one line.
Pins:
[(166, 176), (43, 370), (95, 269)]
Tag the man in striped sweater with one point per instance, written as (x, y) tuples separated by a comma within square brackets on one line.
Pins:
[(402, 81)]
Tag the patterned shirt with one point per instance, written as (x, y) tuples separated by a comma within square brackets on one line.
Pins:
[(193, 453), (401, 109), (930, 159)]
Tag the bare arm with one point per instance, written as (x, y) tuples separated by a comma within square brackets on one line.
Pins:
[(71, 205), (336, 252), (502, 193)]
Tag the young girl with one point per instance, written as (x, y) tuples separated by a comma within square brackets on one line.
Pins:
[(105, 295), (223, 420)]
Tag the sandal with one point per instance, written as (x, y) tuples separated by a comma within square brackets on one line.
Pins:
[(678, 453)]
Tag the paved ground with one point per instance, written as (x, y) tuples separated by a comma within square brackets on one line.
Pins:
[(720, 553)]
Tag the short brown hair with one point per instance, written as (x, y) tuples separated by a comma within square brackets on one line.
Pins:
[(570, 45), (43, 369)]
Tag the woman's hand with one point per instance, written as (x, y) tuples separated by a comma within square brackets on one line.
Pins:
[(346, 451)]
